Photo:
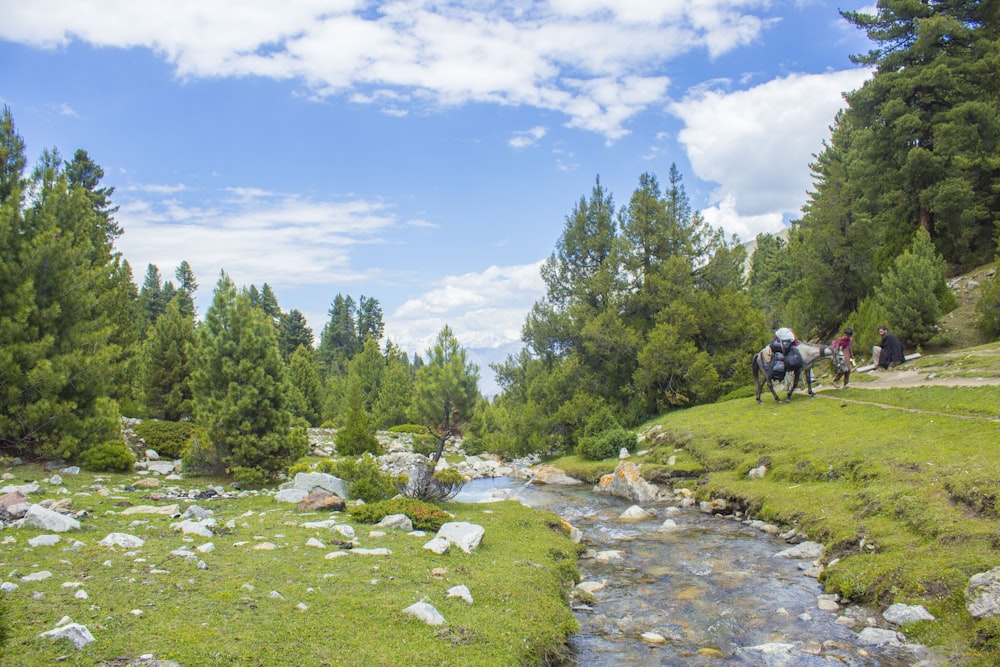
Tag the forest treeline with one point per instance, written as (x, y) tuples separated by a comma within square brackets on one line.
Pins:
[(647, 307)]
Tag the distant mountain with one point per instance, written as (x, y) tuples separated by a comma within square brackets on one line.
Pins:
[(484, 356)]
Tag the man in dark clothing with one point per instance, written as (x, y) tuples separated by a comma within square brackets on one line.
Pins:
[(889, 351)]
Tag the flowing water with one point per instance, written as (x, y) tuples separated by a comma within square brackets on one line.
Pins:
[(710, 592)]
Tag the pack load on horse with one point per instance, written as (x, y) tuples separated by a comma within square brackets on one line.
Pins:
[(796, 357), (785, 355)]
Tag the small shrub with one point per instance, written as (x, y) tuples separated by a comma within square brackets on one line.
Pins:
[(364, 477), (111, 455), (408, 428), (424, 515), (424, 444), (607, 444), (168, 439), (254, 477), (301, 466), (434, 486)]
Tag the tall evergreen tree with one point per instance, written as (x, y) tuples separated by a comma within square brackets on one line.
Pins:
[(370, 324), (187, 285), (58, 361), (12, 159), (167, 363), (240, 391), (303, 372), (293, 333), (339, 340)]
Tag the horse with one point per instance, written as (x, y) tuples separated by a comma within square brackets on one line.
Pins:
[(810, 355)]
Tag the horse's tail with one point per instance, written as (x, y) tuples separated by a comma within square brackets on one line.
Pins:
[(755, 365)]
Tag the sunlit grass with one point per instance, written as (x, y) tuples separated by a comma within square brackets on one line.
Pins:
[(292, 605), (906, 500)]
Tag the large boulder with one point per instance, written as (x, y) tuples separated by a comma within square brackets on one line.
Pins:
[(982, 595), (48, 520), (311, 482), (627, 482)]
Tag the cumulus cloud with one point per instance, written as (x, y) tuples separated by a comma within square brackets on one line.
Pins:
[(599, 62), (255, 236), (484, 309), (757, 144), (527, 137)]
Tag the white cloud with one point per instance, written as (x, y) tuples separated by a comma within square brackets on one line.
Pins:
[(257, 237), (484, 309), (599, 62), (757, 144), (527, 137)]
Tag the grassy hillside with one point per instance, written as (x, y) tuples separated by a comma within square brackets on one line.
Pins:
[(900, 484)]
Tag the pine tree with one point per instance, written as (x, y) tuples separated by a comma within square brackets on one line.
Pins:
[(303, 372), (167, 364), (58, 361), (293, 332), (240, 392), (911, 292), (446, 389), (357, 435)]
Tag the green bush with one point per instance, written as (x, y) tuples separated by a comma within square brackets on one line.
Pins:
[(110, 455), (364, 477), (424, 515), (988, 309), (253, 477), (424, 444), (606, 445), (168, 439), (408, 428)]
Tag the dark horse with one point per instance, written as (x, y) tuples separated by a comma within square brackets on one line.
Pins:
[(810, 355)]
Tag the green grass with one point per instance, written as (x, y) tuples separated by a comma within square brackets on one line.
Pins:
[(519, 578), (906, 500)]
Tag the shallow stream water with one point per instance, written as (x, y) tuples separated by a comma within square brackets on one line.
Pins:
[(712, 591)]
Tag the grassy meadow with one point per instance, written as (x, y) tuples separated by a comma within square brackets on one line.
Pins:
[(286, 606)]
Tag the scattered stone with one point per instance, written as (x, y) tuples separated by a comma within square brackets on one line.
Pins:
[(148, 483), (805, 551), (396, 521), (425, 612), (48, 520), (166, 510), (123, 540), (317, 481), (438, 545), (41, 575), (295, 496), (313, 542), (44, 541), (321, 501), (592, 586), (546, 474), (982, 595), (636, 513), (76, 634), (203, 528), (372, 552), (879, 637), (898, 614), (627, 482), (460, 591), (653, 638), (465, 536), (757, 473)]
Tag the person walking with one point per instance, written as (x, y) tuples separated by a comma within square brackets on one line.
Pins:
[(843, 356), (889, 352)]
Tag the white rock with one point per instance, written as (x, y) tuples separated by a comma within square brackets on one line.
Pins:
[(313, 542), (44, 541), (41, 575), (425, 612), (46, 519), (879, 637), (805, 550), (76, 634), (123, 540), (466, 536), (438, 545), (460, 591), (902, 613), (635, 513)]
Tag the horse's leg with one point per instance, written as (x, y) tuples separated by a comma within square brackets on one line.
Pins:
[(795, 383), (809, 382), (758, 385)]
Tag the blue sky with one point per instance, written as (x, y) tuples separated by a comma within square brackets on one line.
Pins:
[(422, 153)]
